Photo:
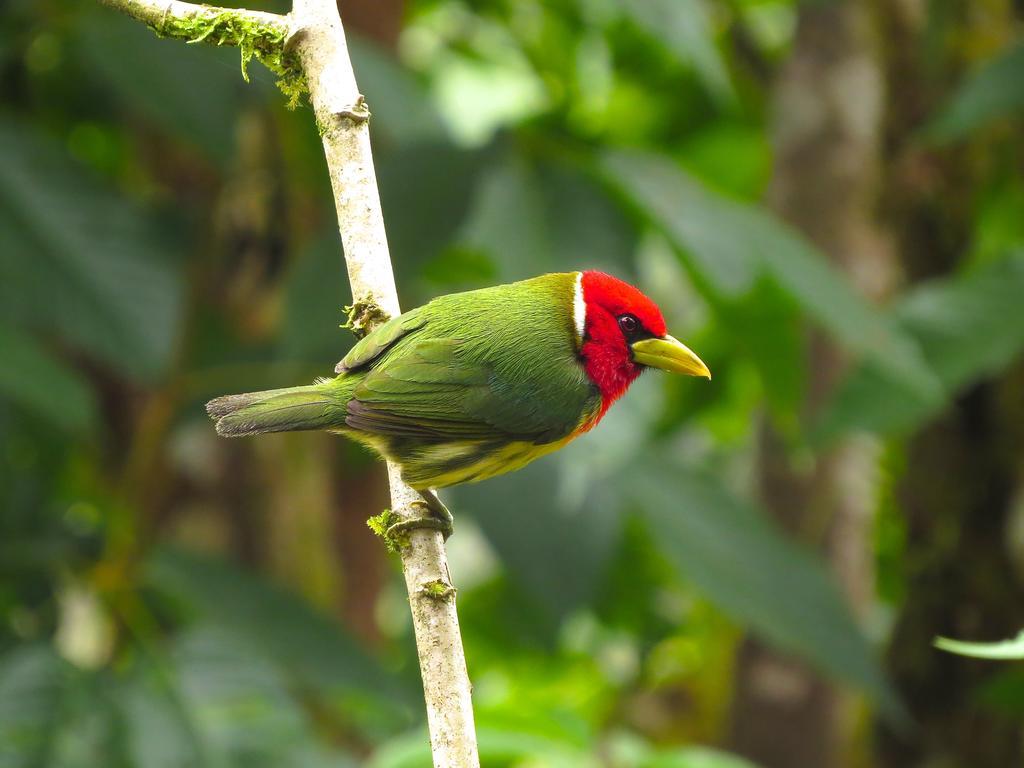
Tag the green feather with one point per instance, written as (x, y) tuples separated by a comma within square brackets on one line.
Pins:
[(276, 410)]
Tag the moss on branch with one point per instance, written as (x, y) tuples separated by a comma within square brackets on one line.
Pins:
[(363, 316), (382, 525), (256, 35), (438, 590)]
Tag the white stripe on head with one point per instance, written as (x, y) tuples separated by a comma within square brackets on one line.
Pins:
[(579, 309)]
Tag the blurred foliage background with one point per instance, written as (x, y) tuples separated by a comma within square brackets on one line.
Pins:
[(827, 199)]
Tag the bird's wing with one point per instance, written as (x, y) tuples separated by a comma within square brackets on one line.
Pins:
[(368, 349), (447, 389)]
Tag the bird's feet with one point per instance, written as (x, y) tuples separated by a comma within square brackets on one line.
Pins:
[(438, 519)]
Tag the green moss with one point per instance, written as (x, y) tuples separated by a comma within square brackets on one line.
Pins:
[(293, 86), (321, 130), (363, 317), (381, 525), (439, 590), (262, 40)]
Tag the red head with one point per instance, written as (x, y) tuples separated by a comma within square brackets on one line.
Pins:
[(622, 333)]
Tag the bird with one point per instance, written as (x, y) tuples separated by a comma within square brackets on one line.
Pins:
[(478, 383)]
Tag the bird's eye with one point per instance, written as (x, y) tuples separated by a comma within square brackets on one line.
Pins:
[(628, 324)]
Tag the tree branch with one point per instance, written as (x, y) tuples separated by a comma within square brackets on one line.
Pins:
[(319, 41), (171, 18), (314, 36)]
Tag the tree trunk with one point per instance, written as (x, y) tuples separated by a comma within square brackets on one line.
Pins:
[(826, 131), (964, 469)]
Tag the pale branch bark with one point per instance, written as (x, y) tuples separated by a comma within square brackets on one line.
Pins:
[(341, 114), (170, 17), (313, 34)]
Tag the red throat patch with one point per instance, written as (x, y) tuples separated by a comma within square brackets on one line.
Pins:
[(605, 352)]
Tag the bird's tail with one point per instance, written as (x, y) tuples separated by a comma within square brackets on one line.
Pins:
[(277, 410)]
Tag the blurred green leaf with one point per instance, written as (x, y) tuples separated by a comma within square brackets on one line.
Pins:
[(242, 704), (869, 400), (32, 681), (1006, 650), (426, 191), (402, 109), (498, 748), (767, 328), (998, 226), (731, 245), (531, 216), (1004, 691), (588, 229), (555, 548), (627, 750), (33, 378), (696, 757), (159, 732), (734, 158), (968, 326), (555, 523), (684, 27), (157, 78), (81, 260), (53, 714), (715, 233), (315, 294), (995, 90), (738, 558), (508, 220), (214, 702), (308, 644)]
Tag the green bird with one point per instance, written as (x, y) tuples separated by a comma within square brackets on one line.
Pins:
[(475, 384)]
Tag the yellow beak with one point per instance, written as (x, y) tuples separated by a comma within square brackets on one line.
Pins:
[(669, 354)]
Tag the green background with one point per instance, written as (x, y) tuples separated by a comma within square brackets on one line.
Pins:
[(825, 198)]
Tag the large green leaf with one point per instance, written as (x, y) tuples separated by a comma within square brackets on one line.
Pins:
[(33, 378), (32, 681), (80, 260), (969, 326), (308, 644), (767, 330), (731, 246), (684, 27), (588, 229), (696, 757), (315, 292), (556, 548), (555, 523), (753, 572), (426, 190), (402, 109), (215, 700), (160, 731), (241, 704), (995, 90), (509, 222), (161, 81), (531, 217), (54, 714), (223, 672)]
